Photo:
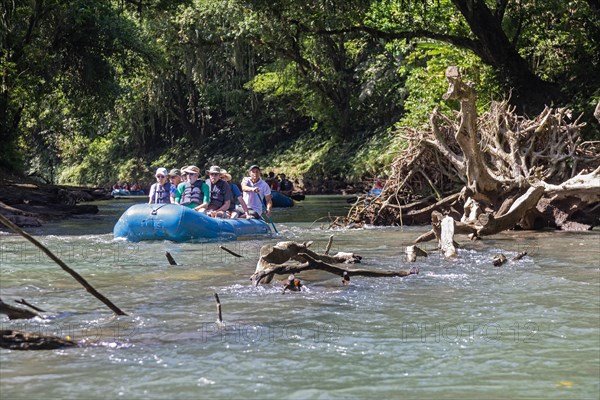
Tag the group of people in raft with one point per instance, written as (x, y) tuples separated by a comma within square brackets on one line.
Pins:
[(216, 196)]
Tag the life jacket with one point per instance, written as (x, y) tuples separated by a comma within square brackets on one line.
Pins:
[(162, 195), (192, 193)]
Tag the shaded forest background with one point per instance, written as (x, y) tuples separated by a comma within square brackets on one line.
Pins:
[(98, 91)]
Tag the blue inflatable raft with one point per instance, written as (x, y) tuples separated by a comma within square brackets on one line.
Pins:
[(281, 200), (123, 192), (181, 224)]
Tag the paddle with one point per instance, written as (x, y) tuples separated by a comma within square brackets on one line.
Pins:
[(264, 205)]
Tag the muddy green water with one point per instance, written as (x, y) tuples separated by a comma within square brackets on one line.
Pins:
[(461, 329)]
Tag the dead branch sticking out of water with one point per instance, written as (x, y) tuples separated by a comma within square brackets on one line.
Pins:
[(25, 303), (170, 258), (230, 252), (16, 312), (64, 266), (219, 315)]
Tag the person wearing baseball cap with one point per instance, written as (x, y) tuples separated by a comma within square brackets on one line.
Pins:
[(175, 179), (257, 193), (160, 192)]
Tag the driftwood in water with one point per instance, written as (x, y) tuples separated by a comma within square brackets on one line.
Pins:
[(282, 252), (16, 312), (170, 258), (314, 264), (520, 255), (219, 314), (498, 170), (21, 340), (500, 259), (412, 252), (64, 266)]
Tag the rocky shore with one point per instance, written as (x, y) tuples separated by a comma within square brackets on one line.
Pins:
[(29, 203)]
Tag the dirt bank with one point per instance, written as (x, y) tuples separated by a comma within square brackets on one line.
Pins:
[(29, 203)]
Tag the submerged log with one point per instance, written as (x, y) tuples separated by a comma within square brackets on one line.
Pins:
[(21, 340), (16, 312)]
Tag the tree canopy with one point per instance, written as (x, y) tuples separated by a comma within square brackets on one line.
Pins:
[(93, 91)]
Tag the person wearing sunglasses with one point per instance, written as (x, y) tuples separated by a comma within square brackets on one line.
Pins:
[(160, 192), (220, 194), (193, 193)]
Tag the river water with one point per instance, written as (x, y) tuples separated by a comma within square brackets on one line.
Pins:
[(461, 329)]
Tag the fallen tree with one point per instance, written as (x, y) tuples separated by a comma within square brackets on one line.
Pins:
[(274, 260), (491, 172)]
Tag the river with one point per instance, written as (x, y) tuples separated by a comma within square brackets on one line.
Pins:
[(460, 329)]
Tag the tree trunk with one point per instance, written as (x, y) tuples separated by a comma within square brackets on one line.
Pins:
[(530, 92), (479, 179)]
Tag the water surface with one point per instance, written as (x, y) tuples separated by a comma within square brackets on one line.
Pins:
[(460, 329)]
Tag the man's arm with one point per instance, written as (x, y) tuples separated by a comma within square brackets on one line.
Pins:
[(246, 186), (269, 203)]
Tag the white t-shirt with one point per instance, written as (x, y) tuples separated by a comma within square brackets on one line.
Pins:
[(251, 198)]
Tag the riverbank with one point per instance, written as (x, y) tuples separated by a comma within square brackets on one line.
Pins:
[(27, 202)]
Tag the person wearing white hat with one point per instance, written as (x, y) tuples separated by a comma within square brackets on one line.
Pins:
[(160, 192)]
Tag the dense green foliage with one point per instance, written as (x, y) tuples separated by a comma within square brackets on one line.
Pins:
[(96, 91)]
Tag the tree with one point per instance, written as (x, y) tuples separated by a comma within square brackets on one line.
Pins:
[(61, 62), (507, 38), (325, 56)]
